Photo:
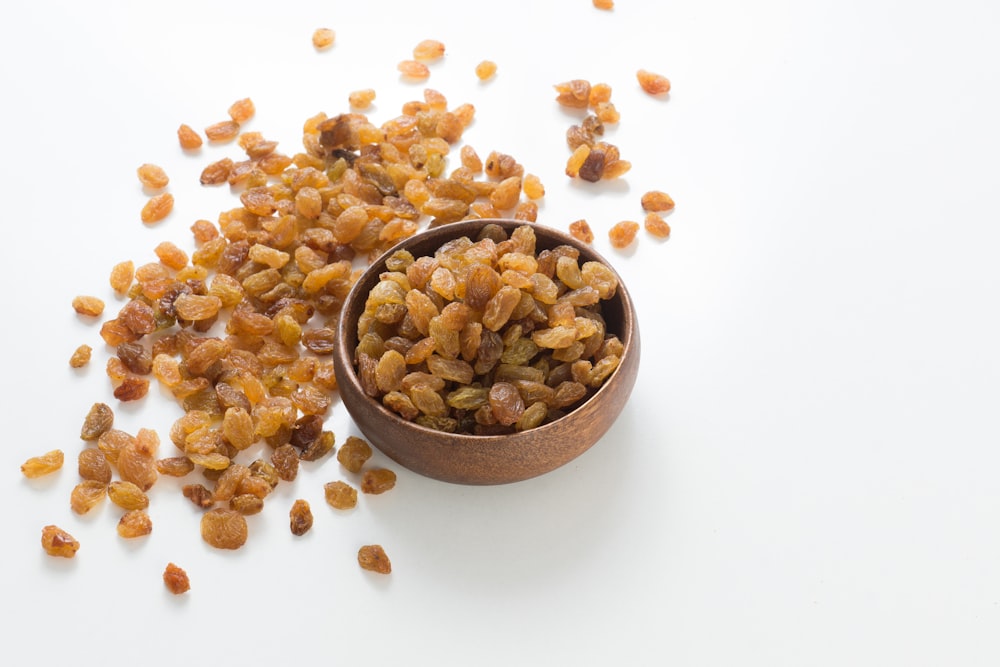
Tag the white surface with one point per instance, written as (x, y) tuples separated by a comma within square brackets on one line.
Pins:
[(807, 472)]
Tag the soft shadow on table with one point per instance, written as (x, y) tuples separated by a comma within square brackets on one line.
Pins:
[(509, 539)]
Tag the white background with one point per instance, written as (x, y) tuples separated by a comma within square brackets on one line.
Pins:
[(807, 471)]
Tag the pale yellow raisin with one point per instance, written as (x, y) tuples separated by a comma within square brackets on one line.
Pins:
[(323, 38)]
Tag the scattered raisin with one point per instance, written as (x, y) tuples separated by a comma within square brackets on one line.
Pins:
[(623, 233), (81, 356), (38, 466), (188, 138), (652, 83), (57, 542), (88, 305), (157, 208), (354, 453), (323, 38), (372, 557), (300, 517), (176, 579), (224, 528), (377, 481), (656, 225), (152, 176), (135, 523), (428, 49), (581, 231), (98, 421), (340, 495), (485, 70)]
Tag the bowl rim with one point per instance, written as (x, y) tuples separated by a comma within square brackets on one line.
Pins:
[(344, 356)]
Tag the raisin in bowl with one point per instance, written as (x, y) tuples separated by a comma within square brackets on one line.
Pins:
[(487, 377)]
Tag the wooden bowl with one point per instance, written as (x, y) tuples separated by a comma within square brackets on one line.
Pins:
[(486, 459)]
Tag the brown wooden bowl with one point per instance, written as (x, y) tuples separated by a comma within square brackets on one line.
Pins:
[(486, 459)]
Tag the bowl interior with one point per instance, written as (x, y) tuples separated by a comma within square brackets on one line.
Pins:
[(486, 459)]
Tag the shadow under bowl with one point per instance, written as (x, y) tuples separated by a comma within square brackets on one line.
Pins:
[(486, 459)]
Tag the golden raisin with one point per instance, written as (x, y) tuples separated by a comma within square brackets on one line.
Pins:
[(340, 495), (361, 99), (225, 130), (176, 579), (127, 495), (37, 466), (242, 110), (372, 557), (152, 176), (170, 255), (88, 305), (322, 38), (99, 420), (413, 69), (121, 276), (378, 481), (657, 201), (656, 225), (300, 517), (86, 495), (157, 208), (428, 49), (354, 453), (224, 528), (623, 233), (134, 523), (581, 231), (92, 464), (653, 83), (486, 69), (81, 356), (189, 138), (57, 542)]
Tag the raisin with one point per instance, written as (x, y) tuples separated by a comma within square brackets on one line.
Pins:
[(225, 130), (134, 523), (93, 465), (127, 495), (581, 231), (361, 99), (485, 70), (198, 494), (656, 225), (340, 495), (224, 528), (354, 453), (57, 542), (90, 306), (157, 208), (413, 69), (152, 176), (188, 138), (506, 403), (38, 466), (86, 495), (378, 481), (300, 517), (286, 462), (428, 49), (98, 421), (653, 83), (655, 200), (175, 578), (242, 110), (623, 233), (372, 557)]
